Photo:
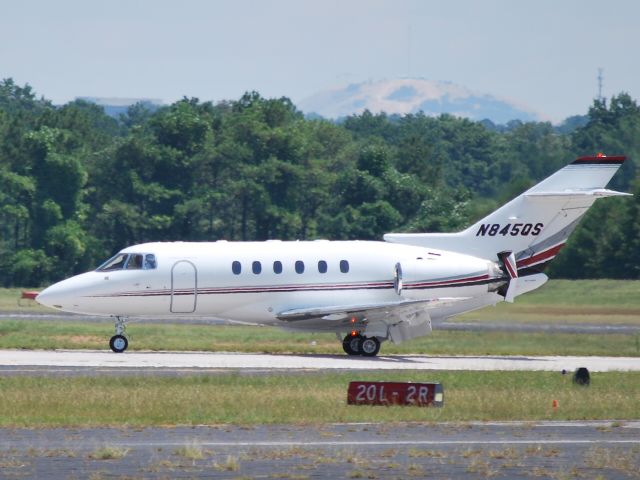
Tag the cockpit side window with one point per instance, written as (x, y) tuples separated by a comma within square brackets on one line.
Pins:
[(149, 261), (129, 261), (115, 263), (135, 262)]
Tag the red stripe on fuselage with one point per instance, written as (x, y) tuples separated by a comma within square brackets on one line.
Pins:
[(452, 283), (479, 279)]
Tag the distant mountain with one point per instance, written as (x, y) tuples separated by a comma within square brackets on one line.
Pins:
[(412, 95), (114, 106)]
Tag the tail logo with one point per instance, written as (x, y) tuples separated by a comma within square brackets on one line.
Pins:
[(513, 229)]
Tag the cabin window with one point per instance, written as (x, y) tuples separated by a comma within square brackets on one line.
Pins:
[(344, 266), (236, 267), (322, 266), (277, 267), (299, 266), (256, 267)]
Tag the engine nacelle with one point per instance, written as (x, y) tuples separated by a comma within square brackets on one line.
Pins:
[(442, 271)]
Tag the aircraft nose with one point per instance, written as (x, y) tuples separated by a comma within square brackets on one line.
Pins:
[(55, 296), (67, 294)]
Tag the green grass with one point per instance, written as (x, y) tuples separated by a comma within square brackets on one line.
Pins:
[(306, 399), (10, 301), (33, 334), (569, 301), (612, 293)]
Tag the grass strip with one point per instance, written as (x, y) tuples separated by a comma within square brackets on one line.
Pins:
[(307, 399), (11, 301), (47, 335), (606, 302)]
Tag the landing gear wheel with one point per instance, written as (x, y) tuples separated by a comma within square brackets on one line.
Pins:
[(369, 346), (118, 343), (351, 344)]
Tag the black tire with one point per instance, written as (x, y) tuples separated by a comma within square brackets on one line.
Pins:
[(351, 344), (369, 346), (118, 343)]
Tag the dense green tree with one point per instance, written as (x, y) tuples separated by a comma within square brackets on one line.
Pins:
[(16, 197), (612, 129), (77, 185)]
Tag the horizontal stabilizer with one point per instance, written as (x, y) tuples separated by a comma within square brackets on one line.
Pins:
[(595, 192)]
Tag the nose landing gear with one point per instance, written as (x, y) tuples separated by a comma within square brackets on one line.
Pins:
[(119, 342)]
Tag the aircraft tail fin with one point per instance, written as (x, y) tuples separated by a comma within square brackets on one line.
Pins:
[(535, 225)]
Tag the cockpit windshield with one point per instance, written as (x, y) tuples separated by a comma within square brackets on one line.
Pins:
[(129, 261)]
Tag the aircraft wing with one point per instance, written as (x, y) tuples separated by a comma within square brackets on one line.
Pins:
[(399, 310), (399, 321)]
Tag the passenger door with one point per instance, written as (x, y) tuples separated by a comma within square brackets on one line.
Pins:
[(184, 287)]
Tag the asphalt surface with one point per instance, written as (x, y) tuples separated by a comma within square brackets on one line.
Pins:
[(471, 450), (158, 362)]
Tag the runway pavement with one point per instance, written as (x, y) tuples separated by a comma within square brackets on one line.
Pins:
[(604, 449), (159, 362)]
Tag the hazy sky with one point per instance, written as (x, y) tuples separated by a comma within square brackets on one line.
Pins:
[(544, 54)]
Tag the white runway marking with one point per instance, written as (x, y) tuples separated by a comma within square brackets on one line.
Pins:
[(170, 360)]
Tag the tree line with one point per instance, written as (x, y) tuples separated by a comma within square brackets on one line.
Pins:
[(77, 185)]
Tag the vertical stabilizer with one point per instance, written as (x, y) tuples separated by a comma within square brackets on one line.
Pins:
[(535, 225)]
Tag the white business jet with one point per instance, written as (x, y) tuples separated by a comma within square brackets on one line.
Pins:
[(364, 291)]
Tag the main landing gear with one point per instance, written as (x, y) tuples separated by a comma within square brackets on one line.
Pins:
[(119, 342), (360, 345)]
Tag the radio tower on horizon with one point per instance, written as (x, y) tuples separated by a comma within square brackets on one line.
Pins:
[(600, 81)]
